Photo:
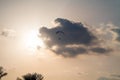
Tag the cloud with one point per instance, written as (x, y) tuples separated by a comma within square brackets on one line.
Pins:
[(104, 78), (109, 34), (75, 33), (74, 38), (100, 50), (117, 32), (116, 75), (111, 77), (7, 32), (69, 52)]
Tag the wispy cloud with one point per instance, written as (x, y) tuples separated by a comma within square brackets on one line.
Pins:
[(5, 32), (111, 77)]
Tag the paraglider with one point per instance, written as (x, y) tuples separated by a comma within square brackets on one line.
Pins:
[(60, 32), (57, 32)]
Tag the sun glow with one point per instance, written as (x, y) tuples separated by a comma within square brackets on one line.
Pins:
[(32, 42)]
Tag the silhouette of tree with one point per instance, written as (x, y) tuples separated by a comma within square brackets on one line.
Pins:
[(33, 76), (2, 73), (18, 78)]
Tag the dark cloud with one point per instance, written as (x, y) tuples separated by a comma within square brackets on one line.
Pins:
[(100, 50), (75, 40), (75, 33), (70, 52)]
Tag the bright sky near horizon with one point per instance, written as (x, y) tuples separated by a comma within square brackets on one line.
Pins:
[(24, 49)]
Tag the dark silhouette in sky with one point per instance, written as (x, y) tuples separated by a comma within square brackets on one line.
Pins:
[(2, 72), (57, 32), (60, 32), (31, 76)]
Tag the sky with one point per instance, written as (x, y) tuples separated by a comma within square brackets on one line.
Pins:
[(60, 39)]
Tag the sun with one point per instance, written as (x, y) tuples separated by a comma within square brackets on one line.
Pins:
[(32, 42)]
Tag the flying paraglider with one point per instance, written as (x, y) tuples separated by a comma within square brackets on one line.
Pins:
[(60, 32), (57, 32)]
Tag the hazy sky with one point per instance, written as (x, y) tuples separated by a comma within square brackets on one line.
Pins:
[(88, 51)]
